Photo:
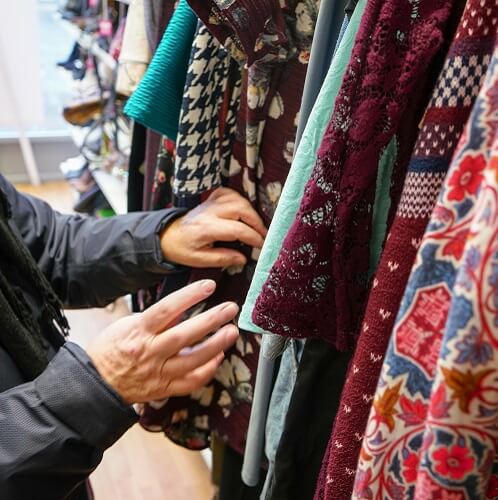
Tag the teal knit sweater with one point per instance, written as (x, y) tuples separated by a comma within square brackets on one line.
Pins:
[(157, 100)]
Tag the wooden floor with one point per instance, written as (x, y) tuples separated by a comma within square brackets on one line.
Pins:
[(142, 465)]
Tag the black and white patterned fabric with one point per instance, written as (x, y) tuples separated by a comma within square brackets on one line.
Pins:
[(208, 117)]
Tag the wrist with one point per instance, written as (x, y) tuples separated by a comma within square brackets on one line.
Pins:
[(166, 240)]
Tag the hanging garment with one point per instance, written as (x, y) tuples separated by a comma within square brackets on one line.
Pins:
[(162, 189), (206, 129), (261, 155), (432, 431), (153, 143), (157, 14), (316, 118), (318, 285), (231, 485), (279, 404), (443, 122), (153, 14), (135, 164), (301, 169), (135, 52), (157, 100), (331, 25), (313, 405), (160, 14), (445, 117), (255, 443)]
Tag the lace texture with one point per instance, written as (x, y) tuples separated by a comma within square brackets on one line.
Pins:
[(318, 285)]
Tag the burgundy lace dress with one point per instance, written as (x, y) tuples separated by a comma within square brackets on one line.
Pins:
[(318, 286)]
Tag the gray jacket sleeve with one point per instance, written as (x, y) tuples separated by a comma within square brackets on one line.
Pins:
[(91, 262), (54, 430)]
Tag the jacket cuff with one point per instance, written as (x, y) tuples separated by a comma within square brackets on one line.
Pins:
[(74, 391), (150, 232), (168, 219)]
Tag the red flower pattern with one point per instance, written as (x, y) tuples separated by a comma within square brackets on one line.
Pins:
[(454, 462), (410, 467), (413, 412), (456, 245), (467, 178)]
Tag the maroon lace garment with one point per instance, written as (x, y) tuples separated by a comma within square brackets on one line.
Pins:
[(317, 287)]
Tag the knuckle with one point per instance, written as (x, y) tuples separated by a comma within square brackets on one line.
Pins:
[(239, 232), (203, 230), (132, 349), (165, 309), (195, 382)]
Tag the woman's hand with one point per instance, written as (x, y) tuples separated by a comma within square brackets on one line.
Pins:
[(225, 216), (148, 356)]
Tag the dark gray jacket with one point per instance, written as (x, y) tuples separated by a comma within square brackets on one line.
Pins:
[(54, 430)]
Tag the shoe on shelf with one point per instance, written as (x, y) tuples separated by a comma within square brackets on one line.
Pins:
[(73, 56), (73, 7), (73, 167), (90, 201), (84, 182), (83, 111), (79, 71)]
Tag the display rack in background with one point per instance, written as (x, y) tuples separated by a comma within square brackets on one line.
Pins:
[(100, 130)]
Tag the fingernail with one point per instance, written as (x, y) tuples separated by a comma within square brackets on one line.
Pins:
[(231, 308), (208, 286), (221, 356)]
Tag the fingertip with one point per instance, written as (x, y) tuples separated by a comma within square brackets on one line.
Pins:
[(231, 308), (231, 335), (236, 258), (239, 261), (207, 286)]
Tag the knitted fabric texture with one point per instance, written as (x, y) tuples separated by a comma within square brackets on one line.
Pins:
[(157, 100), (445, 117), (22, 335), (317, 287), (432, 431)]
